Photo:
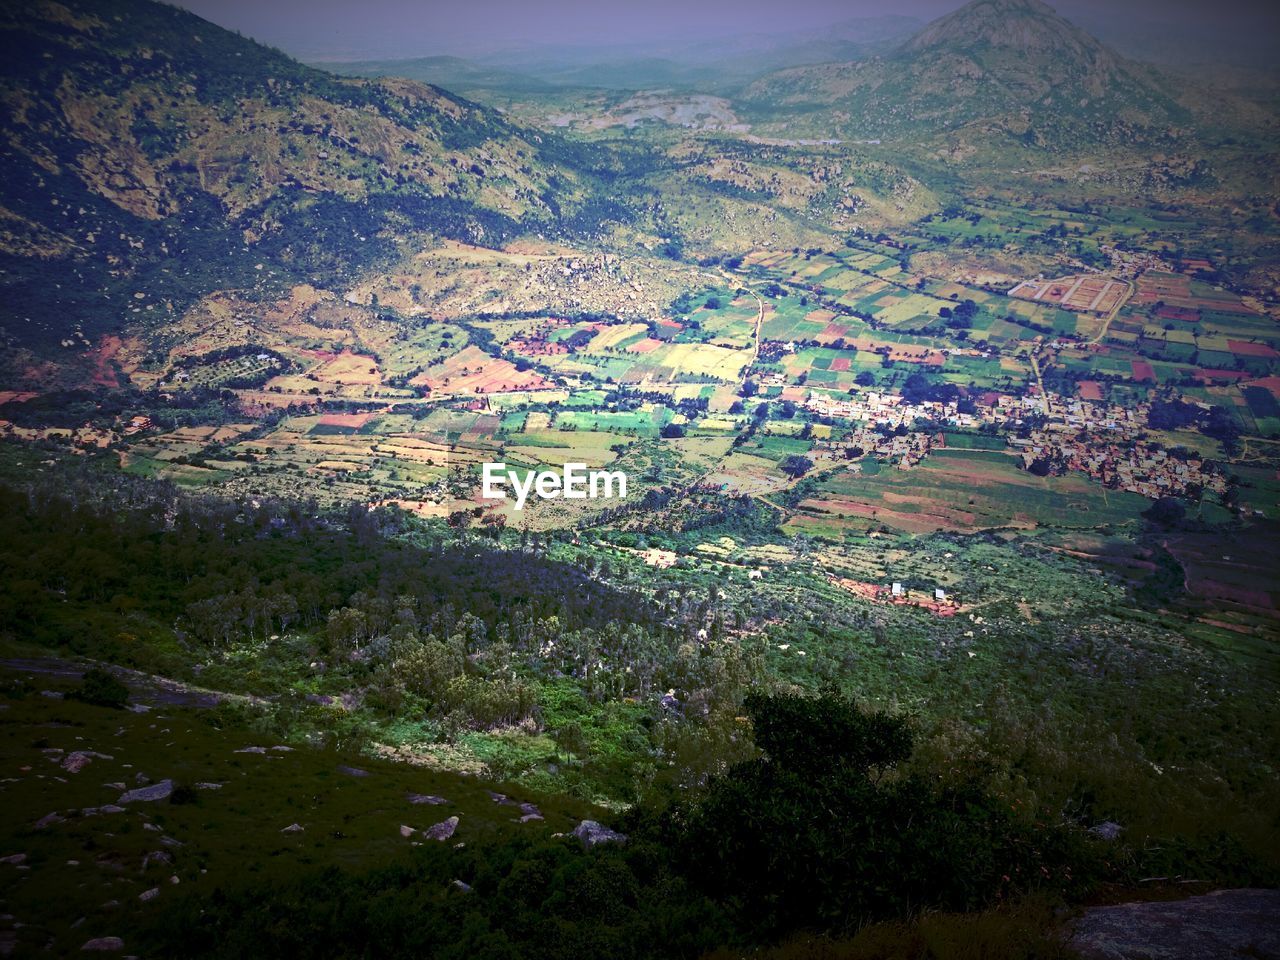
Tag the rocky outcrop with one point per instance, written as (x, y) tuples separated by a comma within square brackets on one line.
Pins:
[(1224, 925), (591, 834)]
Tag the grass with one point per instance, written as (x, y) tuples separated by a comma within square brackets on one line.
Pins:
[(222, 835)]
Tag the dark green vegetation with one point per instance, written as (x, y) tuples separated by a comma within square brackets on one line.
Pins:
[(549, 661)]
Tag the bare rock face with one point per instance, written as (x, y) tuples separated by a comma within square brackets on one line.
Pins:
[(1224, 925), (590, 833)]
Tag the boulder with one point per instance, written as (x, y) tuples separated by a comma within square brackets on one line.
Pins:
[(76, 761), (159, 790), (590, 834), (1107, 830), (293, 828), (427, 798), (104, 944), (442, 830)]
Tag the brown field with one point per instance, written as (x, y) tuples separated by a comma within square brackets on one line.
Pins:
[(1242, 348), (1090, 390), (350, 369), (473, 371), (647, 345), (1203, 374), (354, 420), (1174, 290), (1268, 383), (1181, 314), (840, 363), (1142, 371)]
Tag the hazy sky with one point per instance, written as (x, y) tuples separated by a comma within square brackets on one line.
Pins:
[(343, 29)]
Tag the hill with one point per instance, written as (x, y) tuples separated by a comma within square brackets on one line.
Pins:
[(149, 156), (1009, 66)]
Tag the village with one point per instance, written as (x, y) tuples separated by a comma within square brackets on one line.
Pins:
[(1051, 434)]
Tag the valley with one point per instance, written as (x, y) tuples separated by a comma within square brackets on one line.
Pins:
[(943, 367)]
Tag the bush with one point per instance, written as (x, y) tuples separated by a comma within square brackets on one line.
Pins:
[(820, 834), (101, 689)]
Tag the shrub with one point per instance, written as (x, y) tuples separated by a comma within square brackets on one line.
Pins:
[(101, 689)]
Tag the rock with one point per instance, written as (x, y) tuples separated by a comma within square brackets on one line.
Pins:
[(1107, 830), (104, 944), (250, 750), (151, 894), (461, 886), (76, 761), (208, 785), (156, 856), (442, 830), (14, 858), (590, 834), (148, 794), (105, 808), (49, 819), (281, 749), (293, 828), (407, 832), (117, 785), (141, 779), (529, 812), (52, 694), (1222, 925), (501, 798), (352, 771), (427, 798)]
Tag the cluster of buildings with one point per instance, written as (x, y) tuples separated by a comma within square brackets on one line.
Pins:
[(1103, 440)]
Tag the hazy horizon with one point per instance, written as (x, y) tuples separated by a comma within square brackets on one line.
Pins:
[(338, 30)]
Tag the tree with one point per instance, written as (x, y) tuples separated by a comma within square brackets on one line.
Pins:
[(101, 689), (796, 466)]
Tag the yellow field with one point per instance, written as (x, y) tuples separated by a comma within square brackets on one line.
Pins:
[(704, 360), (614, 335)]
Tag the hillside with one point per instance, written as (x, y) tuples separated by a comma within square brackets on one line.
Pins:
[(154, 156), (1013, 67)]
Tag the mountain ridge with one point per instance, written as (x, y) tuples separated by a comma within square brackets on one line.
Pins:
[(1014, 64)]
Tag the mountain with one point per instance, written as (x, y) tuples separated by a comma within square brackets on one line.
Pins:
[(148, 156), (1011, 65), (704, 64), (453, 73)]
